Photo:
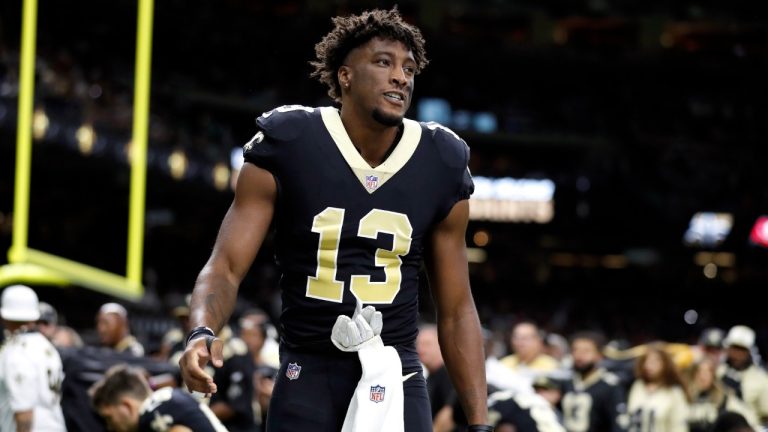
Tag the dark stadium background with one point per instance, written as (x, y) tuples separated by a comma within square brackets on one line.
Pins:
[(642, 113)]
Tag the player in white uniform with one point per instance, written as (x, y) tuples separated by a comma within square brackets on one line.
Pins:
[(30, 368)]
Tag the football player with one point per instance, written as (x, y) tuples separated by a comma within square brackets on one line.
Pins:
[(359, 197), (126, 402), (594, 399), (31, 372)]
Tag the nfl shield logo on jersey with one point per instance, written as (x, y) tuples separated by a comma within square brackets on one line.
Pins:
[(293, 371), (377, 393), (371, 182)]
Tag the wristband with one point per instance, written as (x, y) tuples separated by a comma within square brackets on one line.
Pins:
[(479, 428), (198, 331)]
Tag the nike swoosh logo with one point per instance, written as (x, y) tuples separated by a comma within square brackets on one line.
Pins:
[(406, 377)]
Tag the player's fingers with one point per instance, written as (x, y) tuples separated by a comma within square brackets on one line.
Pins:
[(377, 323), (339, 331), (358, 307), (216, 347), (368, 312), (363, 328), (353, 333), (192, 372)]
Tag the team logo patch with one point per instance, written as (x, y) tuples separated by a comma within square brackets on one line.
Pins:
[(293, 371), (259, 137), (371, 182), (377, 393)]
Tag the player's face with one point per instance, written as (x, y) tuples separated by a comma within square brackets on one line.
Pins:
[(705, 376), (585, 355), (48, 330), (108, 327), (381, 75), (526, 341), (738, 356), (653, 366), (714, 354), (119, 418), (253, 338)]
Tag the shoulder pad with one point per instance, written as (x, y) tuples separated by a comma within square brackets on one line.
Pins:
[(438, 130), (452, 148), (285, 122), (157, 398)]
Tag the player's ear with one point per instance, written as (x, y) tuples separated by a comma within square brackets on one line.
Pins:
[(129, 406), (344, 75)]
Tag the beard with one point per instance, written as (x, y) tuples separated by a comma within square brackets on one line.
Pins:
[(388, 120), (585, 368)]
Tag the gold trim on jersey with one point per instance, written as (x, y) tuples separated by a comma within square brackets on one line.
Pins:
[(581, 384), (372, 178)]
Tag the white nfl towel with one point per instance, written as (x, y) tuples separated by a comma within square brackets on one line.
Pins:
[(377, 404)]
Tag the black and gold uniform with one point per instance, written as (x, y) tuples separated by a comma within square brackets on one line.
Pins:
[(595, 404), (169, 407), (346, 230)]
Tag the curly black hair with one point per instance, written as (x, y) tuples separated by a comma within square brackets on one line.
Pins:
[(350, 32)]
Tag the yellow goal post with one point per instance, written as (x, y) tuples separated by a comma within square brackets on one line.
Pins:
[(32, 266)]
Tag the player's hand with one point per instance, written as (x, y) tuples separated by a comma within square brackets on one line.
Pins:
[(362, 330), (197, 354)]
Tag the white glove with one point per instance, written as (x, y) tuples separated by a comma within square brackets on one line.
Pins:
[(362, 330)]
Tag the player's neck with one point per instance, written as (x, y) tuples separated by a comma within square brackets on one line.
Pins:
[(373, 140)]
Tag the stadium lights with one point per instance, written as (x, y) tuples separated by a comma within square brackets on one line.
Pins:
[(220, 176), (40, 123), (476, 255), (759, 234), (177, 162), (481, 238), (721, 259), (691, 316), (614, 261), (128, 151), (86, 137), (710, 271), (708, 229)]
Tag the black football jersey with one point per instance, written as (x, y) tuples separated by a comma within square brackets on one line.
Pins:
[(168, 407), (234, 383), (597, 404), (82, 368), (344, 229)]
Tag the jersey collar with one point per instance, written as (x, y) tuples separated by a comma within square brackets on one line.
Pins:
[(371, 178)]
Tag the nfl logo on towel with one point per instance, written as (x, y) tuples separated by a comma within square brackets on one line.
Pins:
[(377, 393), (371, 182), (293, 371)]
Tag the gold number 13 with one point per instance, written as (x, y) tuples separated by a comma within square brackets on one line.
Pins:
[(327, 224)]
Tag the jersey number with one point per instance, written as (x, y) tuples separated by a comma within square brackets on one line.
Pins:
[(328, 224), (576, 410)]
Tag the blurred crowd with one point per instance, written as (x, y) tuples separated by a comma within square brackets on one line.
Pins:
[(537, 381), (641, 112)]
